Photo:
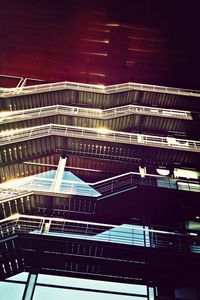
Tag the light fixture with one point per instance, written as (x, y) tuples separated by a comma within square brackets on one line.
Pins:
[(163, 172)]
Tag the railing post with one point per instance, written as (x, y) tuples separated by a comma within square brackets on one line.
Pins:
[(42, 226), (132, 236), (144, 235), (86, 231), (179, 242), (31, 132), (49, 131)]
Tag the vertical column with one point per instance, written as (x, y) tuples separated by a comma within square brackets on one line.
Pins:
[(59, 175), (142, 171), (30, 287)]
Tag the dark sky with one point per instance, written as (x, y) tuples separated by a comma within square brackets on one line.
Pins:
[(102, 42)]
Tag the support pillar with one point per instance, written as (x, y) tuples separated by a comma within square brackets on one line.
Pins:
[(30, 287)]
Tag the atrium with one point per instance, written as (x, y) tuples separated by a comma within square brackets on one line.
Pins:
[(99, 150)]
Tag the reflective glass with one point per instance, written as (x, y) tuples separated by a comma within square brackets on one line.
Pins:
[(92, 284), (11, 291), (42, 293)]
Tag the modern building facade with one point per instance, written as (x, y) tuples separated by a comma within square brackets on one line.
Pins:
[(100, 183)]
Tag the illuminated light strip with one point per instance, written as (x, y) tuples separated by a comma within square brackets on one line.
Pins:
[(105, 114), (94, 53), (140, 50), (96, 41), (42, 88), (103, 134)]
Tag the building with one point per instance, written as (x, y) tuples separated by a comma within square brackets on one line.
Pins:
[(149, 182), (100, 182)]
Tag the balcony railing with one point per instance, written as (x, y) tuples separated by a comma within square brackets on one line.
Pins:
[(121, 234), (13, 136), (132, 180), (27, 114), (106, 188), (42, 88)]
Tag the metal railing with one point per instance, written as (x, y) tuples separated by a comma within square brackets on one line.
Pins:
[(106, 114), (8, 194), (41, 88), (13, 136), (132, 180), (105, 188), (121, 234), (44, 186)]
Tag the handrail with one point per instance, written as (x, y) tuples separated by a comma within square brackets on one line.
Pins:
[(13, 136), (106, 114), (41, 88), (9, 194), (106, 187), (121, 234), (131, 180)]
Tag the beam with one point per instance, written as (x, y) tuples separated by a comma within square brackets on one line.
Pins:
[(30, 287), (59, 175)]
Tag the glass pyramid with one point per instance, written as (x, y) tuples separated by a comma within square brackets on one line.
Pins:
[(69, 184)]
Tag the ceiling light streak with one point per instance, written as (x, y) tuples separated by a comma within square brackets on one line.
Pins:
[(97, 74), (113, 25), (96, 41), (99, 30), (130, 62), (140, 50), (94, 53)]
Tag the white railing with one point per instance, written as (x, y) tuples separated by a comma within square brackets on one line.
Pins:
[(9, 194), (13, 136), (41, 88), (7, 117), (132, 180), (107, 187), (121, 234), (44, 185)]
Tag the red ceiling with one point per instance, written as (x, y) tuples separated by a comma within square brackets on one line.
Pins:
[(103, 42)]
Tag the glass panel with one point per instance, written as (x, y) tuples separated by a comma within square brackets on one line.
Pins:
[(125, 234), (42, 293), (11, 291), (92, 284), (19, 277), (151, 293)]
